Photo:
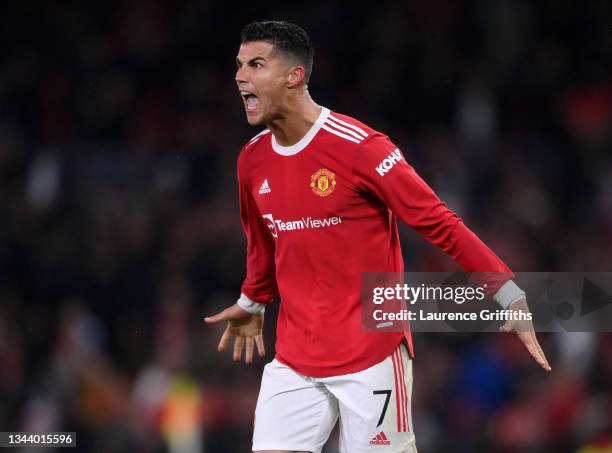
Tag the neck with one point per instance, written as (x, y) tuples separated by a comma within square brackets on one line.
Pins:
[(298, 117)]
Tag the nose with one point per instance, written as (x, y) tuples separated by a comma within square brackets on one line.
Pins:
[(240, 77)]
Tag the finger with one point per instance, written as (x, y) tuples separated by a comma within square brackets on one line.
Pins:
[(534, 342), (221, 316), (238, 345), (537, 344), (261, 349), (250, 343), (225, 338), (507, 327), (531, 347)]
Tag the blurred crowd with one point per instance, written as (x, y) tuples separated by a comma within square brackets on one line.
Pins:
[(120, 125)]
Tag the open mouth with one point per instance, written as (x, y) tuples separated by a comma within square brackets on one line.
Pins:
[(250, 100)]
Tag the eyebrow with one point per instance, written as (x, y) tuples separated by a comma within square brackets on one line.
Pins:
[(252, 60)]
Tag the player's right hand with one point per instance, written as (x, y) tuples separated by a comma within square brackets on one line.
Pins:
[(247, 328)]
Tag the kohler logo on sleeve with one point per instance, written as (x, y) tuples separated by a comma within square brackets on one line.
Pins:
[(389, 162)]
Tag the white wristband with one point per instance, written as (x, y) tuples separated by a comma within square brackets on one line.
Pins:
[(255, 308), (508, 294)]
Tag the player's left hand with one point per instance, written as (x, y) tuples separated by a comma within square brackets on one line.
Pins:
[(525, 332)]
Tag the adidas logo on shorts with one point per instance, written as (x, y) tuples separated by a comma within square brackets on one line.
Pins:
[(380, 439)]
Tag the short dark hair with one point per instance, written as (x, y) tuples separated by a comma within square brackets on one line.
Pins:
[(286, 37)]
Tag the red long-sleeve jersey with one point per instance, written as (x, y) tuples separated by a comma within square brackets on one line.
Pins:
[(320, 213)]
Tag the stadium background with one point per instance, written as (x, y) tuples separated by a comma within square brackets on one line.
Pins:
[(119, 129)]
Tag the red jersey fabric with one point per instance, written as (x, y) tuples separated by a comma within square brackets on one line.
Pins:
[(320, 213)]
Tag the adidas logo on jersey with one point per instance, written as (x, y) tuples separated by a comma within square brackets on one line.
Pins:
[(265, 187), (389, 162), (380, 439)]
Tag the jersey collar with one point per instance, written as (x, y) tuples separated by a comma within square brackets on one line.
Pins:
[(306, 139)]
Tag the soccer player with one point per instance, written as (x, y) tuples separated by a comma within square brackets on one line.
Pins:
[(319, 196)]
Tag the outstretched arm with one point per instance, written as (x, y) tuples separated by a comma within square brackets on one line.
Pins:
[(381, 169)]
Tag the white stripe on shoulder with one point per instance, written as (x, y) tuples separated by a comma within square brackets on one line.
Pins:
[(352, 126), (345, 129), (265, 131), (340, 134)]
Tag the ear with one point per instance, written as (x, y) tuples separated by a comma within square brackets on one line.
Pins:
[(295, 76)]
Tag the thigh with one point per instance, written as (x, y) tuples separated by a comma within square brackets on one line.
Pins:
[(374, 406), (294, 412)]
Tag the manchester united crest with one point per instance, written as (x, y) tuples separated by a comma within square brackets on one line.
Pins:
[(323, 182)]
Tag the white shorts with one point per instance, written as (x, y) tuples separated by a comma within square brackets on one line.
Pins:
[(297, 413)]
